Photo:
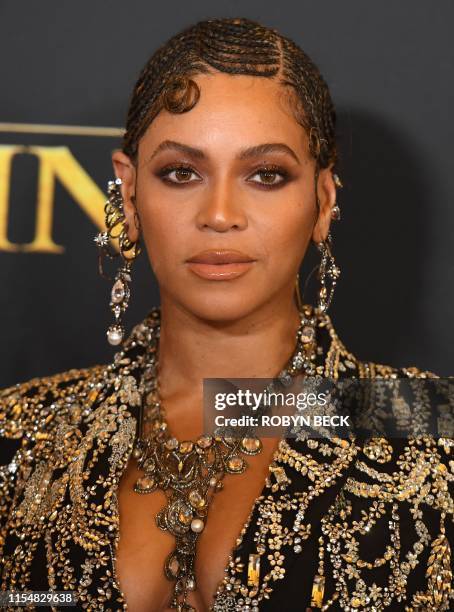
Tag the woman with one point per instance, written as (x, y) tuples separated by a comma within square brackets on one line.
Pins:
[(112, 490)]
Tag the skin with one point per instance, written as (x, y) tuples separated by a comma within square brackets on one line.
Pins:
[(244, 327)]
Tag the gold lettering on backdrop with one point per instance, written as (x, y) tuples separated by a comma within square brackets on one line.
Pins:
[(54, 163), (6, 155)]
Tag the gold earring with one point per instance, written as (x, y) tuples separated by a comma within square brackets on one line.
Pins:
[(117, 228), (335, 211)]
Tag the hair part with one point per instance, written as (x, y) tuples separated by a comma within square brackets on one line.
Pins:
[(235, 46)]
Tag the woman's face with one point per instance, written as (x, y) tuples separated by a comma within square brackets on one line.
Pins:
[(229, 185)]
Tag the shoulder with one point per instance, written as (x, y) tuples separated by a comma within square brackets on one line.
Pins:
[(31, 415), (35, 408), (336, 360), (417, 393), (27, 406)]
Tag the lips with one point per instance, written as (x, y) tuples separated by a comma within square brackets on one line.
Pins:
[(220, 257), (216, 264)]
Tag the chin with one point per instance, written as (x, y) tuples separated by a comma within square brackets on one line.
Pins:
[(221, 307)]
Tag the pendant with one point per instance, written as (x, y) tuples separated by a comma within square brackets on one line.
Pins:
[(177, 567), (145, 484)]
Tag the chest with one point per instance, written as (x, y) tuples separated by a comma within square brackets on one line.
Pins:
[(143, 547)]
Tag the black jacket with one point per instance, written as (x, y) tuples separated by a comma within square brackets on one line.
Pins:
[(378, 511)]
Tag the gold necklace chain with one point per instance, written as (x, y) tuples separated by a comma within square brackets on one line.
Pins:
[(191, 472)]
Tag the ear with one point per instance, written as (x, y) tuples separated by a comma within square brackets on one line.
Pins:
[(326, 191), (125, 169)]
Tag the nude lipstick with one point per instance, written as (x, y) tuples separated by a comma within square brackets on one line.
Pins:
[(220, 264)]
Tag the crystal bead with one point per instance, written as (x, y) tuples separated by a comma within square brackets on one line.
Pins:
[(191, 584), (196, 500), (204, 441), (235, 464), (172, 444), (251, 446), (307, 334), (12, 467), (149, 464), (298, 362), (118, 292), (145, 482), (186, 447), (173, 566), (185, 516)]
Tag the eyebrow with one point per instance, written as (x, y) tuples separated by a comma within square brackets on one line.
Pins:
[(255, 151)]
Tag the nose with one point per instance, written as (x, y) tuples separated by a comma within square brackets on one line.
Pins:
[(221, 209)]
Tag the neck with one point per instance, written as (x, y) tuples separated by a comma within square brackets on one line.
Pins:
[(191, 349)]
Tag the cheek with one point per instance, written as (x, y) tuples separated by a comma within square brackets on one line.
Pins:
[(164, 237), (288, 231)]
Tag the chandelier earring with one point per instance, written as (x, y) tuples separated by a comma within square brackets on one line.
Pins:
[(117, 229), (328, 271)]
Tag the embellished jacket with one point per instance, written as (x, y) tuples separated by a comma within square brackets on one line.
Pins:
[(339, 525)]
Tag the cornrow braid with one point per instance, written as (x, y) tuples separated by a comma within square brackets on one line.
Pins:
[(234, 46)]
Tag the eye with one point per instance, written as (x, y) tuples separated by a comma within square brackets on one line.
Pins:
[(177, 174), (269, 174)]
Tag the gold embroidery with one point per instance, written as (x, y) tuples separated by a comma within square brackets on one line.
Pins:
[(75, 432)]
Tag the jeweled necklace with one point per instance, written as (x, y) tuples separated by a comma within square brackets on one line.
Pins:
[(190, 473)]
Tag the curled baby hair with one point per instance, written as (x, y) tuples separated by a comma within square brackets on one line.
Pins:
[(234, 46)]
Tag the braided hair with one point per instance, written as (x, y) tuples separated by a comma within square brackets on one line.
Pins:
[(235, 46)]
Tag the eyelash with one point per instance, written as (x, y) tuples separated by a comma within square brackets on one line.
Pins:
[(164, 172)]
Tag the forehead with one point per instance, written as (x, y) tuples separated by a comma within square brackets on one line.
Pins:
[(232, 111)]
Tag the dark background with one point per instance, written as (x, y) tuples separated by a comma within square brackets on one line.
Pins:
[(389, 67)]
